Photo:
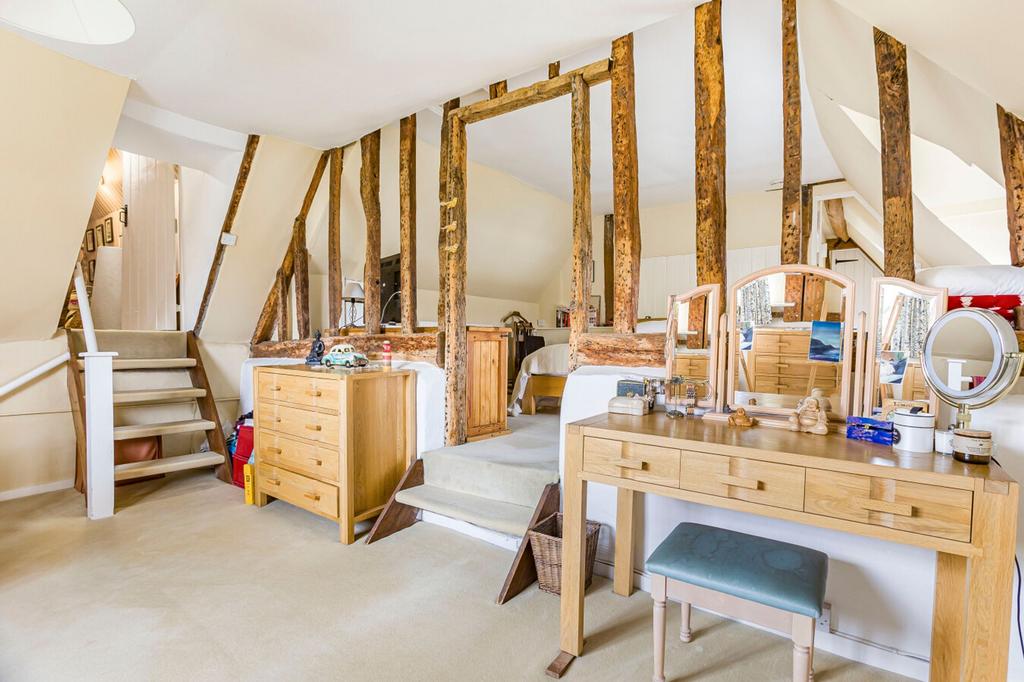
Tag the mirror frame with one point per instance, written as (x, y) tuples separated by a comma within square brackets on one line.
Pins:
[(714, 296), (849, 299), (939, 309)]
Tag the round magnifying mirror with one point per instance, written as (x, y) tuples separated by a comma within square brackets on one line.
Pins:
[(971, 359)]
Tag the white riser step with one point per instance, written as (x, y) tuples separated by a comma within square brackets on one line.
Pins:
[(511, 519), (157, 395), (162, 429), (198, 460), (148, 363)]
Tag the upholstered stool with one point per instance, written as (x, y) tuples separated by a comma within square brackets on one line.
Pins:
[(773, 584)]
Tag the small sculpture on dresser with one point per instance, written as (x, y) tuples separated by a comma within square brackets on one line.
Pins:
[(810, 416), (741, 418), (316, 350)]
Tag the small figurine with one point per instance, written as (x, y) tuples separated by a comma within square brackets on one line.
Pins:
[(824, 402), (809, 417), (741, 418), (316, 351), (344, 355)]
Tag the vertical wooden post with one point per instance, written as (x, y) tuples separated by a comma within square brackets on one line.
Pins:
[(609, 269), (582, 262), (455, 310), (894, 120), (284, 327), (335, 278), (709, 88), (301, 259), (369, 189), (1011, 145), (407, 220), (442, 235), (791, 137), (497, 89), (554, 68), (624, 185)]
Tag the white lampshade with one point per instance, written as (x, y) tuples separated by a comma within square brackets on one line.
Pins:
[(352, 289), (90, 22)]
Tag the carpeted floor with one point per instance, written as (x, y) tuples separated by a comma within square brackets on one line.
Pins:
[(187, 583)]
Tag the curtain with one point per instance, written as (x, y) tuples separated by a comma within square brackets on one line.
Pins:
[(911, 327), (754, 308)]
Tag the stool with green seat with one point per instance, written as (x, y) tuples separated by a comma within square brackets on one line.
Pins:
[(770, 583)]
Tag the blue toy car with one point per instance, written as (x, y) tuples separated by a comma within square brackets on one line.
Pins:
[(344, 355)]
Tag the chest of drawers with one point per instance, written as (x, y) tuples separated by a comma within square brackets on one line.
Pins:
[(333, 442), (779, 364)]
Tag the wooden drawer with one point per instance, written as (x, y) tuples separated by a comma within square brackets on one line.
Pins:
[(297, 422), (693, 368), (302, 491), (300, 390), (300, 456), (793, 366), (633, 461), (783, 343), (914, 507), (775, 485)]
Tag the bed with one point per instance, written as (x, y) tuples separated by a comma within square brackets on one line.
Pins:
[(542, 375)]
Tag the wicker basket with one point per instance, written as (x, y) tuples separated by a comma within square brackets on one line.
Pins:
[(546, 543)]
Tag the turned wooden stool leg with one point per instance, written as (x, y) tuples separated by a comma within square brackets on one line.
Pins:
[(803, 647), (684, 623), (659, 594)]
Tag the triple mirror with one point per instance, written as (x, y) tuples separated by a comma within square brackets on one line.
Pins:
[(691, 344), (902, 312), (791, 336)]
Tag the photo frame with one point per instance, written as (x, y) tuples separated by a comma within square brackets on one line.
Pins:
[(90, 240), (92, 271), (108, 231), (826, 342)]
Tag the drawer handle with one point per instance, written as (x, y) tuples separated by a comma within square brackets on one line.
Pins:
[(277, 419), (739, 482), (314, 394), (273, 481), (318, 462), (886, 507), (634, 464), (275, 388), (312, 496), (276, 451), (314, 427)]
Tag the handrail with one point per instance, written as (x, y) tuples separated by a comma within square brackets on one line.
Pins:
[(85, 311), (33, 373)]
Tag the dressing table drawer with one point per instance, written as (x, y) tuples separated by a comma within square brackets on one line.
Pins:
[(900, 505), (300, 390), (775, 485), (297, 422), (632, 461)]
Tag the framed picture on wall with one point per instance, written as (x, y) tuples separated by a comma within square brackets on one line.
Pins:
[(90, 240), (108, 231), (92, 271)]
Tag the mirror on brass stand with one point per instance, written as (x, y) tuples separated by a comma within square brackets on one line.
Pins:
[(790, 338), (902, 313), (691, 344)]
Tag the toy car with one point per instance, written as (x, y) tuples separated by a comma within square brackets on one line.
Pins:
[(344, 355)]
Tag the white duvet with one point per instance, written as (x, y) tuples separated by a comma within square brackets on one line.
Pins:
[(553, 359)]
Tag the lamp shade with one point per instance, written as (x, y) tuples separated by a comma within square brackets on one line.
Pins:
[(352, 289)]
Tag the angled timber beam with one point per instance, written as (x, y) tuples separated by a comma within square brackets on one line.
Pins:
[(455, 337), (442, 235), (1011, 145), (709, 89), (609, 269), (229, 220), (894, 121), (407, 220), (369, 190), (582, 263), (837, 218), (300, 256), (541, 91), (625, 192), (335, 280)]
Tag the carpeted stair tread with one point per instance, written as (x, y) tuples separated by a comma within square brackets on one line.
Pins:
[(162, 429), (512, 519), (166, 465), (157, 395)]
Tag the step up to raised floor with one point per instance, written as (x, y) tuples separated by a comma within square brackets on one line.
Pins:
[(162, 428), (166, 465), (148, 363), (512, 519), (157, 395), (510, 471)]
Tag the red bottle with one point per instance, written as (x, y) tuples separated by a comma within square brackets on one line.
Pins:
[(385, 355)]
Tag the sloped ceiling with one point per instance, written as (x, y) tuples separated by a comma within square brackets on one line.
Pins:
[(56, 127)]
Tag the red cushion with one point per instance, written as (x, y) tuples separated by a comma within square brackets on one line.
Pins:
[(1002, 304)]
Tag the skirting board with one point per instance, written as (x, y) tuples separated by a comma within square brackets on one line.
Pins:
[(30, 490), (830, 642)]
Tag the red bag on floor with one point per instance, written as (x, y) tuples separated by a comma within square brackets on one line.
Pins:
[(243, 449)]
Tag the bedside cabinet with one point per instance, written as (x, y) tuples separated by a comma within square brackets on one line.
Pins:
[(333, 442)]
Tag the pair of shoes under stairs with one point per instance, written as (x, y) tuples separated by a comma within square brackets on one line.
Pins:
[(160, 389)]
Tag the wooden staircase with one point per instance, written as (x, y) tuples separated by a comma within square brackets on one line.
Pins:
[(149, 376)]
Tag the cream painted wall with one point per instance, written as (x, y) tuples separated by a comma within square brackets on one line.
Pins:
[(57, 122), (202, 202)]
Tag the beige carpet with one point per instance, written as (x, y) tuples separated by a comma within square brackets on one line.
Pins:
[(187, 583)]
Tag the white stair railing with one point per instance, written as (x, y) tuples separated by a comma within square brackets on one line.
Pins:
[(28, 376)]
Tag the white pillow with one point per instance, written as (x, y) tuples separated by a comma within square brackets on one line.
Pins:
[(974, 280)]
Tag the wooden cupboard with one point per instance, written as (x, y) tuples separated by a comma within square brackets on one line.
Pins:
[(487, 382)]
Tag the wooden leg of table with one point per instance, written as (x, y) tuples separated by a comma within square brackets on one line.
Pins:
[(658, 592), (948, 617), (574, 510), (623, 584), (990, 581)]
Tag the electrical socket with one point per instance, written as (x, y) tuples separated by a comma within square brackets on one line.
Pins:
[(824, 622)]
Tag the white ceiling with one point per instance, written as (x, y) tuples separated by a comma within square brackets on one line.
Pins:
[(324, 72)]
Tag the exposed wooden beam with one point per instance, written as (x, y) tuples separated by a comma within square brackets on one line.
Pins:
[(335, 277), (284, 327), (369, 189), (554, 68), (894, 120), (625, 190), (442, 235), (598, 72), (300, 257), (265, 323), (709, 89), (837, 218), (791, 137), (609, 269), (582, 263), (455, 317), (1011, 145), (498, 89), (806, 214), (407, 219), (229, 220)]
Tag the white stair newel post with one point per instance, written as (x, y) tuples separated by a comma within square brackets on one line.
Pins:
[(99, 433)]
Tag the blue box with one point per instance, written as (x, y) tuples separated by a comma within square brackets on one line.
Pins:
[(870, 430)]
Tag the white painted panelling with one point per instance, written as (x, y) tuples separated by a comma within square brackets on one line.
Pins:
[(149, 258), (858, 267), (653, 287)]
